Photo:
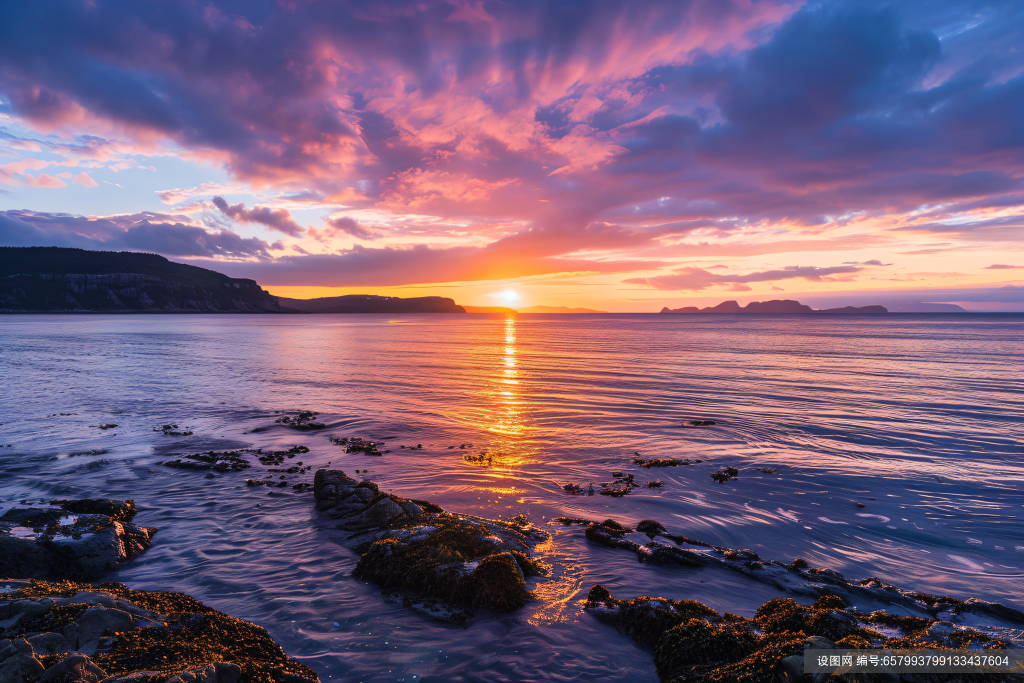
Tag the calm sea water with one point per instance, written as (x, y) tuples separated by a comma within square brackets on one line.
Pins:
[(916, 417)]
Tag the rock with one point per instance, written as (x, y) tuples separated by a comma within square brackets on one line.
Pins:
[(121, 510), (725, 474), (13, 647), (143, 638), (382, 512), (819, 643), (28, 609), (220, 672), (20, 668), (49, 643), (84, 632), (134, 677), (793, 668), (75, 669), (224, 461), (435, 562), (93, 540), (692, 642), (651, 527), (993, 609)]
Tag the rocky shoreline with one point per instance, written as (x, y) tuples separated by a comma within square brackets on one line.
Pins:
[(694, 643), (56, 626), (71, 632)]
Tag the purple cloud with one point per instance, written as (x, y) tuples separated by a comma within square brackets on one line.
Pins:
[(275, 219), (149, 232)]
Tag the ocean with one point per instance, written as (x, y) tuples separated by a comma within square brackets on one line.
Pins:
[(914, 417)]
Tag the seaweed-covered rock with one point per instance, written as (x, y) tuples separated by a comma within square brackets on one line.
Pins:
[(612, 534), (138, 636), (694, 644), (658, 462), (218, 461), (798, 578), (356, 444), (70, 539), (440, 563), (304, 420)]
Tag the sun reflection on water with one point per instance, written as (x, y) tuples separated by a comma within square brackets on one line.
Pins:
[(509, 416)]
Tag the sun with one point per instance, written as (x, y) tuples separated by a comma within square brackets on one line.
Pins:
[(509, 296)]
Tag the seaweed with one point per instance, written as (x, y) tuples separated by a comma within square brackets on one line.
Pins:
[(725, 474)]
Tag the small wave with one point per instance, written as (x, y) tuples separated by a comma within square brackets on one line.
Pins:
[(830, 521), (967, 563), (882, 518)]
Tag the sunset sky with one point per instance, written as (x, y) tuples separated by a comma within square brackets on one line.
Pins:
[(622, 156)]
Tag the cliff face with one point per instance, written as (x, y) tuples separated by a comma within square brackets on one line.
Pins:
[(368, 303), (51, 279)]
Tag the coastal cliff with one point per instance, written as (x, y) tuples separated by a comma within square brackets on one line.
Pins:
[(785, 306), (60, 280)]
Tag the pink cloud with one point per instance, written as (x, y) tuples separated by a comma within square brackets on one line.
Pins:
[(84, 179), (44, 180)]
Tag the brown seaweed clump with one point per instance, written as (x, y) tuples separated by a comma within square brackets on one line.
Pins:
[(725, 474), (110, 630)]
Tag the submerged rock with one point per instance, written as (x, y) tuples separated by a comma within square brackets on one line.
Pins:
[(126, 635), (439, 563), (357, 445), (70, 539), (304, 420), (658, 462), (223, 461), (695, 644), (173, 430)]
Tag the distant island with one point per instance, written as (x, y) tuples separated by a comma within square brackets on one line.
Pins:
[(786, 306), (369, 303), (63, 280)]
